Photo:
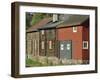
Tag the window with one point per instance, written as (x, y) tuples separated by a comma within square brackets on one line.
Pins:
[(42, 32), (42, 45), (74, 29), (50, 44), (61, 47), (55, 17), (68, 46), (85, 44)]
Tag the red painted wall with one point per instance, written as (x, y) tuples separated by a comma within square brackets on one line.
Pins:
[(85, 37), (76, 37)]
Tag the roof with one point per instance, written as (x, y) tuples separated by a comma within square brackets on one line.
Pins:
[(72, 20), (51, 25), (40, 24), (75, 20)]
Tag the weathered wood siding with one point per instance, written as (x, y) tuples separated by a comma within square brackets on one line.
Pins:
[(29, 43), (42, 43), (50, 42), (32, 42)]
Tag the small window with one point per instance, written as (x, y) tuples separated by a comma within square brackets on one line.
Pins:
[(50, 44), (85, 44), (68, 46), (42, 32), (55, 17), (42, 45), (74, 29), (62, 47)]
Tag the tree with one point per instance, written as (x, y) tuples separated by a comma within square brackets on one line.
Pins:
[(34, 18)]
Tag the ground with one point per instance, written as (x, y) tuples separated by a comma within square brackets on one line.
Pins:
[(51, 61)]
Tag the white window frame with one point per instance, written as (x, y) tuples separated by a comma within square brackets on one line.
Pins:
[(42, 32), (86, 43), (74, 28), (55, 17), (61, 46)]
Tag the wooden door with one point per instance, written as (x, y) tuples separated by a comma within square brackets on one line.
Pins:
[(66, 49)]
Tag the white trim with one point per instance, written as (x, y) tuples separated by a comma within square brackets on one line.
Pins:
[(86, 46), (74, 29), (55, 17)]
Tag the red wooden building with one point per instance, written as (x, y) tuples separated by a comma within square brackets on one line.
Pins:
[(73, 37)]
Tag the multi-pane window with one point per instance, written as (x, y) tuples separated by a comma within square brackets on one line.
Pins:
[(85, 44), (42, 45), (74, 29), (50, 44)]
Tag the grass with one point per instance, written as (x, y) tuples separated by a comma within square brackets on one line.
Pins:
[(36, 63), (30, 63), (46, 62)]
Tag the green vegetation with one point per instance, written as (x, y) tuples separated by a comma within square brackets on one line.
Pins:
[(33, 18), (44, 61), (30, 63), (36, 63)]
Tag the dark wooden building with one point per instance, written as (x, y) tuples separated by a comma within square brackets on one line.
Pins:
[(33, 38)]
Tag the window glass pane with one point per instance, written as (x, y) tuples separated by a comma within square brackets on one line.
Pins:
[(68, 46), (85, 44), (62, 47)]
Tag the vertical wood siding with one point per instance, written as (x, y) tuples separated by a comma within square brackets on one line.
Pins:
[(50, 37), (32, 43), (42, 39)]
